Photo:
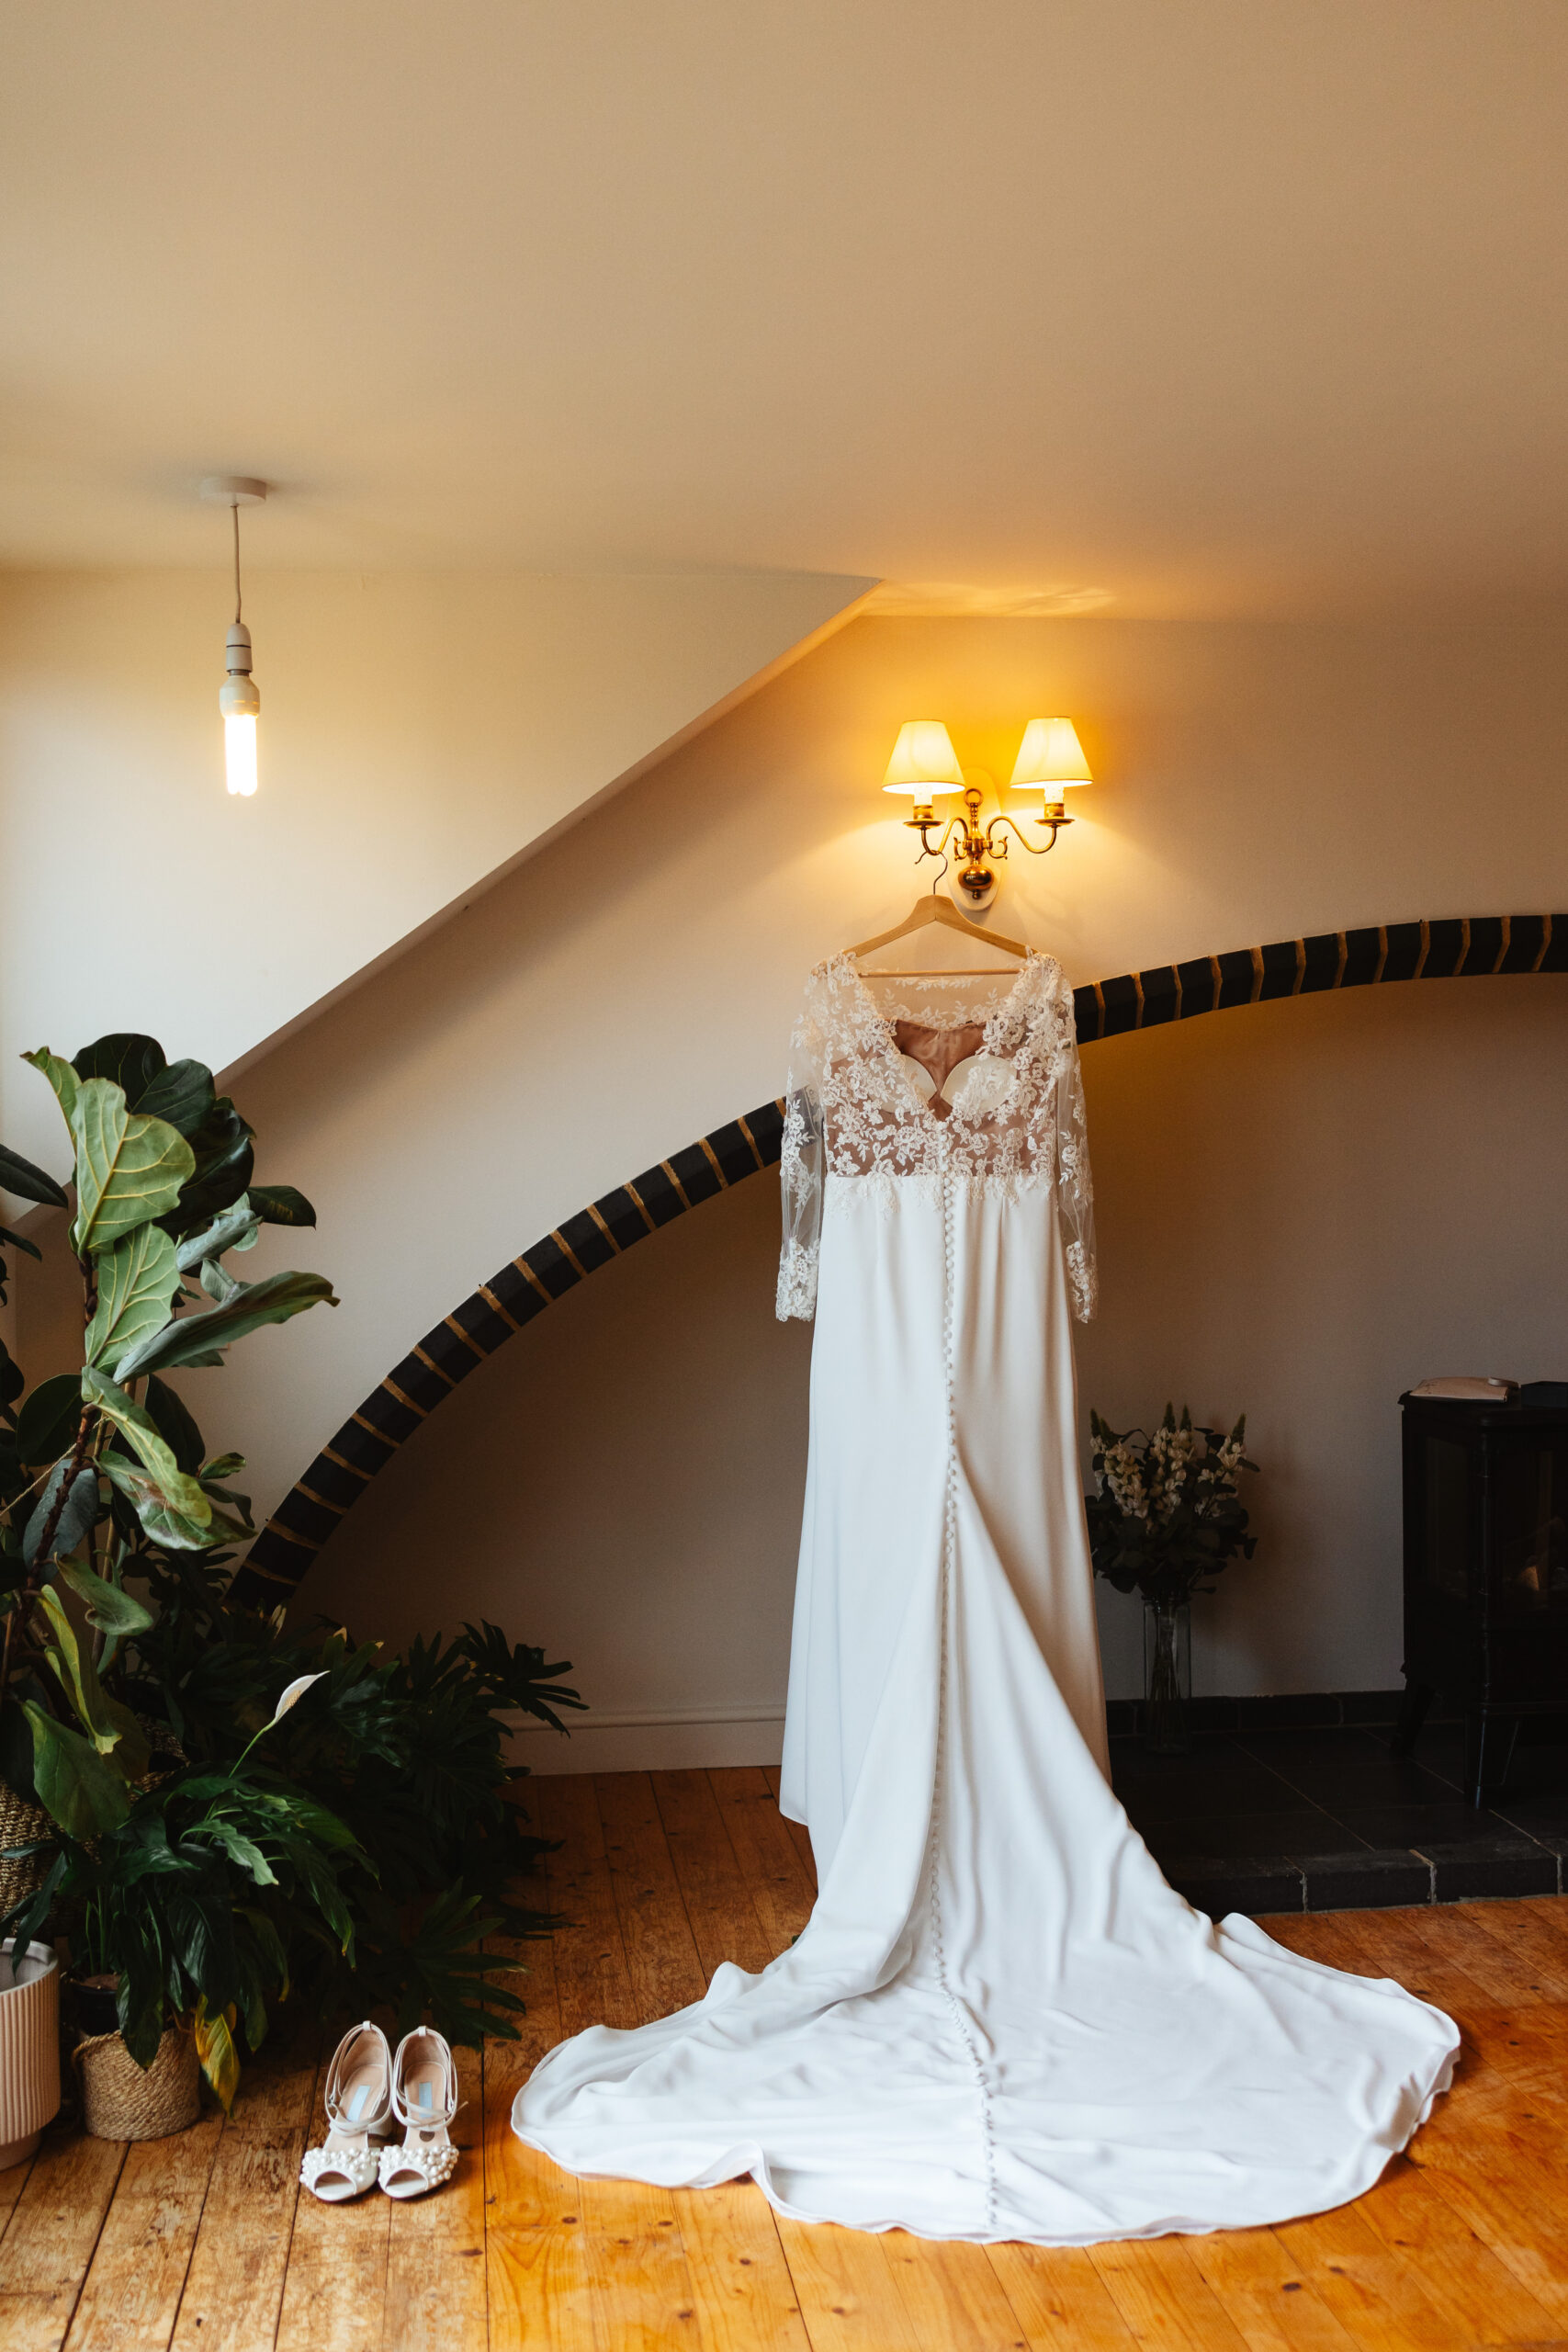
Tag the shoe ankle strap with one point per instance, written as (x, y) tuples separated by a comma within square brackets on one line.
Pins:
[(343, 2055), (441, 2049)]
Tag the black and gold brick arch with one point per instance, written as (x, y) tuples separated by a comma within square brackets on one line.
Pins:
[(1460, 947)]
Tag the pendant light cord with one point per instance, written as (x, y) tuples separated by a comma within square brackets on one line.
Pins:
[(234, 510)]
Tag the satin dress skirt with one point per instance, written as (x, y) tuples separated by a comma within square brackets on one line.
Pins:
[(1000, 2022)]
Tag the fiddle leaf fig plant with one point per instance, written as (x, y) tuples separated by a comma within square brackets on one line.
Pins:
[(210, 1844), (95, 1465)]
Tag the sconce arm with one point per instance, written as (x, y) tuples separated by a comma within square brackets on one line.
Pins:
[(995, 848), (926, 826)]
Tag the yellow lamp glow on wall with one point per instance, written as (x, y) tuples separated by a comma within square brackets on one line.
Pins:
[(924, 763), (1049, 759)]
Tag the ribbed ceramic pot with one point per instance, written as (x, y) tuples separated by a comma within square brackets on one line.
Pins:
[(29, 2049)]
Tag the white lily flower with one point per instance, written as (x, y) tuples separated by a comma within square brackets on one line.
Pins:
[(295, 1691)]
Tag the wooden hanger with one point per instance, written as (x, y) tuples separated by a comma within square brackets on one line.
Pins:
[(931, 910)]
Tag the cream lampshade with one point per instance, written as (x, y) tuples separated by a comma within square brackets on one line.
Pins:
[(1050, 757), (924, 762)]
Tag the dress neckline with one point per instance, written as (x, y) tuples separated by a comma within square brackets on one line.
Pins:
[(884, 1027)]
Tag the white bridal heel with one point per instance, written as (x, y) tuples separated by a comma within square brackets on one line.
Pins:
[(358, 2102), (424, 2099)]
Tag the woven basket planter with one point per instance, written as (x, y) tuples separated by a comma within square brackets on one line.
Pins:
[(29, 2049), (22, 1823), (120, 2102)]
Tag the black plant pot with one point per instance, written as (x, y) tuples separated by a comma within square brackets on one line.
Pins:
[(94, 2004)]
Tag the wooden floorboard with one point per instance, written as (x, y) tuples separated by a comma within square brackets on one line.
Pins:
[(135, 2280), (781, 1887), (535, 2252), (204, 2240), (335, 2288), (233, 2288), (52, 2236)]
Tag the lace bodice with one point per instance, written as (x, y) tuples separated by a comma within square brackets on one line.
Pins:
[(859, 1110)]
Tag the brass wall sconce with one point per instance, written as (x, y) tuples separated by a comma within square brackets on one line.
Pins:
[(925, 766)]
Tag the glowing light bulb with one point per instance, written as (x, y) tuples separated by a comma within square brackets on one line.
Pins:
[(241, 704), (240, 753), (237, 696)]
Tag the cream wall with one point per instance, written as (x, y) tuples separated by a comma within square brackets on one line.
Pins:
[(1301, 1204), (418, 731)]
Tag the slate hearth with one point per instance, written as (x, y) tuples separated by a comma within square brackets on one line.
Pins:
[(1293, 1805)]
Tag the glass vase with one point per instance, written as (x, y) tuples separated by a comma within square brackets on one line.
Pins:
[(1167, 1676)]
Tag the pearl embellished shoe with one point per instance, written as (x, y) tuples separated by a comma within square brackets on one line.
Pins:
[(425, 2100), (358, 2103)]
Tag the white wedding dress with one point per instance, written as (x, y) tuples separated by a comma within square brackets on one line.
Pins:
[(1000, 2022)]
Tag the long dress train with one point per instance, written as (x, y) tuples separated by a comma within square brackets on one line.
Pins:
[(1000, 2022)]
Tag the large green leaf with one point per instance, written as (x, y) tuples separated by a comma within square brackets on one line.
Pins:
[(132, 1755), (235, 1227), (281, 1205), (243, 1852), (163, 1522), (180, 1093), (126, 1058), (110, 1609), (177, 1492), (49, 1419), (128, 1168), (98, 1716), (224, 1162), (74, 1785), (273, 1953), (29, 1184), (13, 1379), (136, 1282), (175, 1425), (272, 1300), (77, 1517)]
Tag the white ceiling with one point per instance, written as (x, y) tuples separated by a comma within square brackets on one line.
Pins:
[(1147, 306)]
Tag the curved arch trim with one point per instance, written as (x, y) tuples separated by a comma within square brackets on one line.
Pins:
[(1460, 947)]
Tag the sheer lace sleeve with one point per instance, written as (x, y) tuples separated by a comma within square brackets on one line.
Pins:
[(800, 1174), (1074, 1185)]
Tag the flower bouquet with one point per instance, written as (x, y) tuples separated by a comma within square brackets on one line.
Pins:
[(1166, 1518)]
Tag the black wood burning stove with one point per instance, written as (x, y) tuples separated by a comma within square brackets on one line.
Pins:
[(1485, 1568)]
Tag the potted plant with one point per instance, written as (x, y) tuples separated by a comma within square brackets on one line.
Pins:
[(161, 1169), (1166, 1518), (375, 1833), (173, 1958), (29, 2046)]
